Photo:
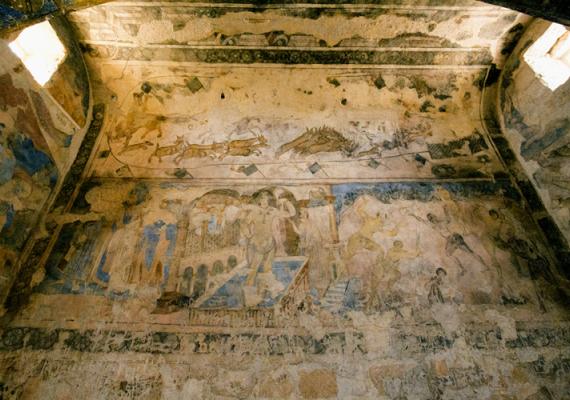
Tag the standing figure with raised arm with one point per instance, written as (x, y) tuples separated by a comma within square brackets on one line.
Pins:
[(258, 229)]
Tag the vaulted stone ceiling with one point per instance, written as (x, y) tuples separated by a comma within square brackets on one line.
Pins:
[(177, 74), (283, 201)]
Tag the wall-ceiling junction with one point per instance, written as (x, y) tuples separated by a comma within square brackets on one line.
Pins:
[(296, 201)]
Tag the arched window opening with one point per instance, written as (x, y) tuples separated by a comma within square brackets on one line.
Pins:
[(549, 56)]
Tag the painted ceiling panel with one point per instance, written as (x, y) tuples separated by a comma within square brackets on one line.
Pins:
[(294, 92), (121, 28), (354, 123), (292, 201)]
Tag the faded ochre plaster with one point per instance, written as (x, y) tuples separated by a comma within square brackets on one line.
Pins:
[(300, 202)]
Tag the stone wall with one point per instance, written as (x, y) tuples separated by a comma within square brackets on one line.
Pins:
[(277, 202), (356, 290), (39, 141), (535, 121)]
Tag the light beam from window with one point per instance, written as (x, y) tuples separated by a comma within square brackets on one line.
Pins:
[(40, 50), (549, 56)]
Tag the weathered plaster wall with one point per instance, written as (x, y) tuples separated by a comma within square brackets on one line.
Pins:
[(212, 123), (290, 219), (409, 32), (69, 85), (386, 290), (537, 124), (17, 13), (39, 142), (29, 172), (189, 93)]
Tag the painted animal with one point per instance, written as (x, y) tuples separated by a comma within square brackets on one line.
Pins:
[(137, 146), (319, 140), (133, 122), (146, 123), (170, 150), (220, 150), (245, 147), (192, 150)]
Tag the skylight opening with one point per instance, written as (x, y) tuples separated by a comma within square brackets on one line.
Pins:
[(40, 50), (549, 56)]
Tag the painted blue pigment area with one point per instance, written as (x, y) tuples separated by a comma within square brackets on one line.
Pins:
[(151, 237), (7, 165), (78, 250), (7, 210), (150, 240), (352, 296), (68, 267), (10, 16), (346, 194), (31, 159), (101, 274), (230, 294)]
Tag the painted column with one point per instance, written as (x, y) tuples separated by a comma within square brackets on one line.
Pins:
[(181, 237), (337, 265)]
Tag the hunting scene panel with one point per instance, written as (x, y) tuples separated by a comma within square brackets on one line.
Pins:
[(338, 124)]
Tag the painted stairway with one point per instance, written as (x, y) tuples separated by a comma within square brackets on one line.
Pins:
[(345, 294)]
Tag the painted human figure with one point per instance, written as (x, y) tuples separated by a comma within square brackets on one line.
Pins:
[(161, 254), (498, 227), (525, 253), (120, 252), (73, 262), (504, 235), (258, 229), (77, 244), (148, 269), (363, 238), (493, 223), (200, 282), (127, 228), (280, 223), (17, 192), (459, 222), (454, 241), (311, 245), (231, 263), (186, 285), (434, 287), (386, 273), (453, 213), (307, 235)]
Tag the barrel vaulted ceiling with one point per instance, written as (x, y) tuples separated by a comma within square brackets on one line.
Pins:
[(296, 92)]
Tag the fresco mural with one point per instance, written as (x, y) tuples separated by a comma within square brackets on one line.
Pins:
[(405, 126), (205, 26), (28, 173), (38, 143), (295, 201), (372, 248), (442, 275), (70, 85), (219, 248), (539, 138), (484, 244), (59, 108)]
